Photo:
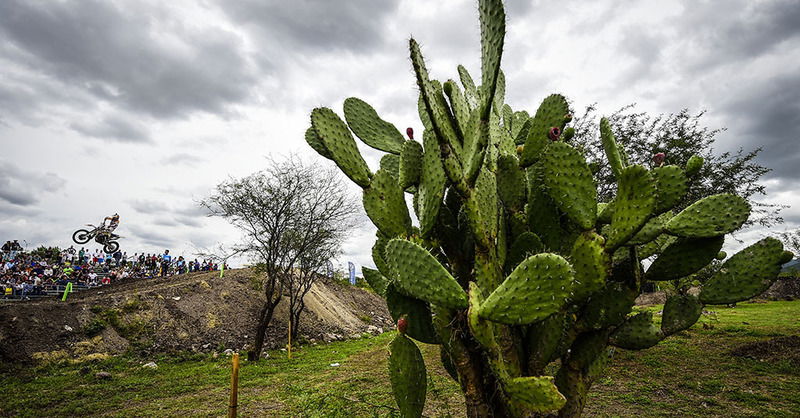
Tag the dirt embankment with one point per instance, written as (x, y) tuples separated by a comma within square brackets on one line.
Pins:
[(198, 312)]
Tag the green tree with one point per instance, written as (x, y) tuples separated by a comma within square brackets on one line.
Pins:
[(679, 136), (50, 254)]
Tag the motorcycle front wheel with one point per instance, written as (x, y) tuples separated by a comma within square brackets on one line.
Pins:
[(111, 247), (81, 236)]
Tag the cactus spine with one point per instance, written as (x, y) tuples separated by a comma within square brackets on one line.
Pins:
[(515, 264)]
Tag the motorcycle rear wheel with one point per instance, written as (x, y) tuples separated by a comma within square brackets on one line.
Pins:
[(111, 247), (81, 236)]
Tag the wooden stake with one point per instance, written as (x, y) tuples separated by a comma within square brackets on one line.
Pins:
[(233, 404), (290, 335)]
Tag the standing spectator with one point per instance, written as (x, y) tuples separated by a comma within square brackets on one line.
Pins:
[(7, 250), (81, 254), (166, 259)]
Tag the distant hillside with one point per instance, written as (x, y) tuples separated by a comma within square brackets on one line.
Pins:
[(792, 265), (198, 311)]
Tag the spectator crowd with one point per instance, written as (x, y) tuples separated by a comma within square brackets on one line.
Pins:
[(24, 274)]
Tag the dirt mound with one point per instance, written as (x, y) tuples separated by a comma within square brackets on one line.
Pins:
[(198, 311), (785, 288), (773, 350), (653, 298)]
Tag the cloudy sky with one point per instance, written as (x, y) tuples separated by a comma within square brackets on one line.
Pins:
[(141, 107)]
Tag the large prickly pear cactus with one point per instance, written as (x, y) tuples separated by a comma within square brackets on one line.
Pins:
[(515, 266)]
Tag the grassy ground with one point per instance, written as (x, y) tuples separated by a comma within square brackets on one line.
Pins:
[(692, 373)]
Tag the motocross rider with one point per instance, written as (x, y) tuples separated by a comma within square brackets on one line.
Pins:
[(113, 223)]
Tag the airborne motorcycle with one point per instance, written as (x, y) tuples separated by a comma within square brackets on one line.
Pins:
[(100, 234)]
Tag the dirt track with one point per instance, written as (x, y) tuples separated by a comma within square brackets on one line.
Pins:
[(199, 312)]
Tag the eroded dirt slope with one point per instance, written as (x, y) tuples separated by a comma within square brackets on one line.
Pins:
[(198, 311)]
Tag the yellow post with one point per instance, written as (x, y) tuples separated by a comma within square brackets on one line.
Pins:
[(233, 404)]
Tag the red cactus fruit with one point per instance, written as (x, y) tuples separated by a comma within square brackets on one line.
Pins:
[(658, 159), (410, 133), (554, 133), (402, 325)]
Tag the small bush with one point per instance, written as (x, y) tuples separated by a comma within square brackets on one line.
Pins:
[(94, 327)]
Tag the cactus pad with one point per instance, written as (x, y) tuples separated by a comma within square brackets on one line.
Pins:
[(340, 144), (391, 163), (379, 257), (458, 103), (671, 185), (487, 202), (637, 332), (512, 186), (416, 312), (633, 205), (470, 91), (410, 164), (538, 287), (420, 275), (433, 98), (591, 264), (569, 182), (370, 128), (408, 376), (652, 229), (745, 275), (431, 185), (375, 280), (493, 30), (694, 165), (543, 338), (610, 146), (549, 114), (608, 306), (680, 313), (526, 245), (538, 393), (481, 329), (684, 257), (386, 206), (710, 217), (313, 140)]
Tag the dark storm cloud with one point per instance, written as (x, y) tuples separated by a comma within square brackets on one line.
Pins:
[(140, 59), (745, 29), (725, 62), (115, 128), (767, 115), (21, 187), (313, 25)]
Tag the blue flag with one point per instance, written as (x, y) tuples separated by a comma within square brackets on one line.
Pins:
[(352, 268)]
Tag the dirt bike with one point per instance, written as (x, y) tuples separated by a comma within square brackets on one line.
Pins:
[(100, 234)]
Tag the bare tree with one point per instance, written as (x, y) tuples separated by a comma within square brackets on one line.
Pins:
[(286, 213)]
